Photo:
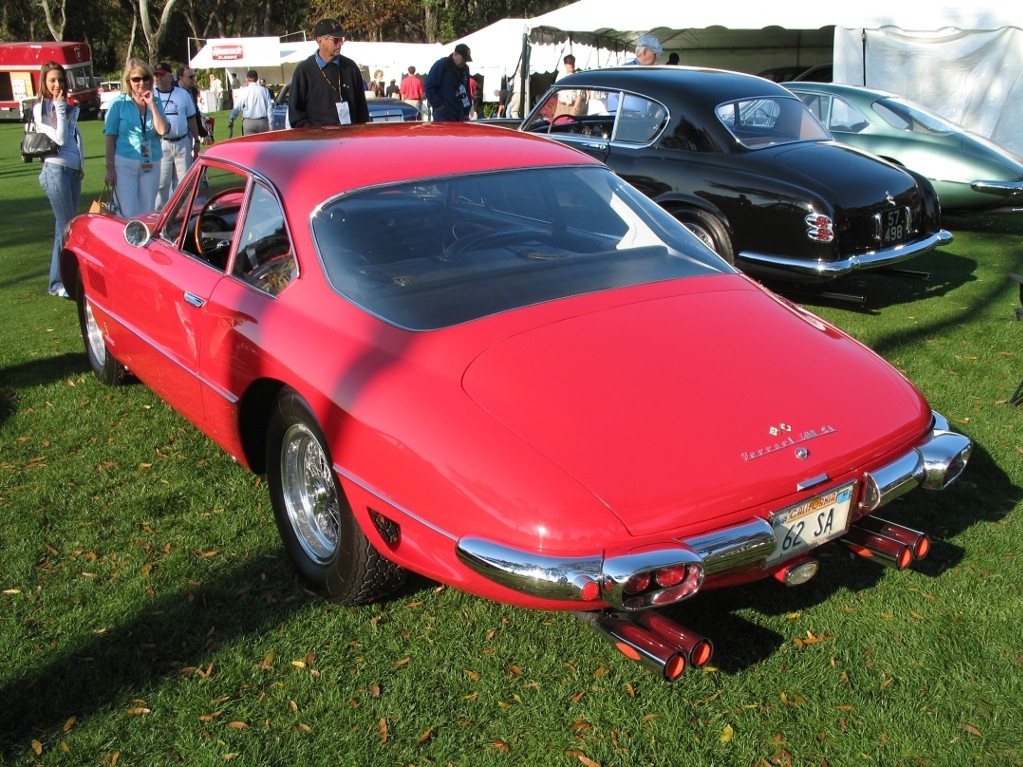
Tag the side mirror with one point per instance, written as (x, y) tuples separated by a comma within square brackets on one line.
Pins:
[(137, 234)]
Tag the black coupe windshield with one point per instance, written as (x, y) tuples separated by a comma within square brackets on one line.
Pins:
[(435, 253)]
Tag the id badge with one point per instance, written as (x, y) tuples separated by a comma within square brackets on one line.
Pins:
[(343, 113), (147, 157)]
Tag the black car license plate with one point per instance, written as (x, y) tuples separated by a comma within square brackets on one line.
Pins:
[(894, 225)]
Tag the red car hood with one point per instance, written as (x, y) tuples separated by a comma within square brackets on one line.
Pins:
[(680, 409)]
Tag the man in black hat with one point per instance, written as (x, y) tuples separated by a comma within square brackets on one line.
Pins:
[(327, 88), (447, 86)]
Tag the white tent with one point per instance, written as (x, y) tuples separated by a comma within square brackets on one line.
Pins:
[(964, 61), (497, 53), (275, 58)]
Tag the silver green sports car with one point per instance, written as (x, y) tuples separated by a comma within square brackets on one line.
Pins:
[(968, 172)]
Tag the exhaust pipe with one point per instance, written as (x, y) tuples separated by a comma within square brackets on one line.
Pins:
[(880, 548), (657, 642), (638, 644), (919, 543), (698, 649)]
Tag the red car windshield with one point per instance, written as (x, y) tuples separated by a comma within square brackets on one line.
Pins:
[(435, 253)]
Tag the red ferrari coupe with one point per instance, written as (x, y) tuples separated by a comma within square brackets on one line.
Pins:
[(482, 356)]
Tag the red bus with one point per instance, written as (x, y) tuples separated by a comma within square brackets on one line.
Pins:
[(19, 76)]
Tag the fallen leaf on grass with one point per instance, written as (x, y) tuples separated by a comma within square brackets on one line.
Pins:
[(795, 700), (37, 747), (425, 736), (727, 734), (236, 725), (472, 675), (500, 745), (382, 727), (70, 723), (403, 662), (973, 731), (582, 758), (809, 639), (137, 711)]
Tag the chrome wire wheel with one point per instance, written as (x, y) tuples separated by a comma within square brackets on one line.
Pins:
[(702, 234), (309, 495), (94, 335)]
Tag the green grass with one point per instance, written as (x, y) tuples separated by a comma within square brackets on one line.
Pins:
[(147, 616)]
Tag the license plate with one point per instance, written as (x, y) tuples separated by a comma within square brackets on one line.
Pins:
[(811, 523), (894, 226)]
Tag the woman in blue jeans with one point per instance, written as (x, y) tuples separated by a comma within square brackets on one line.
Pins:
[(61, 177)]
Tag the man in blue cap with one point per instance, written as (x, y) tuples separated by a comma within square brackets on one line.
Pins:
[(648, 48)]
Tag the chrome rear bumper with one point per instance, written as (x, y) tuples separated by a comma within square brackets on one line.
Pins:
[(871, 260), (934, 464)]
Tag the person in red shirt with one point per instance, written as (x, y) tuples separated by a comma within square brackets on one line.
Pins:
[(411, 89)]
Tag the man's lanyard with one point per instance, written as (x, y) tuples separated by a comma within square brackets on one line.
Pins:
[(337, 88)]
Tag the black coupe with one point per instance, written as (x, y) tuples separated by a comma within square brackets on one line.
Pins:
[(747, 168)]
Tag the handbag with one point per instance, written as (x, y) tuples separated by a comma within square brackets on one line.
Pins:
[(106, 203), (36, 144)]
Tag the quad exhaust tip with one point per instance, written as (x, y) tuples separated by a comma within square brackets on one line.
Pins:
[(655, 641), (886, 542), (667, 648)]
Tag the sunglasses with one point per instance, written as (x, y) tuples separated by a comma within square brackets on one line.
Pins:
[(143, 79)]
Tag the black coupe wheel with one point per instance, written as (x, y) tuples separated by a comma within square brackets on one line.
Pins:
[(321, 537), (709, 230), (107, 369)]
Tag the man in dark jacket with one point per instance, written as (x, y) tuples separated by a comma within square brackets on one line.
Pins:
[(327, 88), (447, 86)]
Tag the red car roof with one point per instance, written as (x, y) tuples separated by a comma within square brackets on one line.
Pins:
[(340, 158)]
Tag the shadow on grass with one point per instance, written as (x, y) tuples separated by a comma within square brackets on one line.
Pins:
[(38, 372), (182, 630), (936, 274)]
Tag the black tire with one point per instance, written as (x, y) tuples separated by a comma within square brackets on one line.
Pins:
[(107, 369), (709, 230), (325, 544)]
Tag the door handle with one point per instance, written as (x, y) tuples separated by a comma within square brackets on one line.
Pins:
[(194, 300)]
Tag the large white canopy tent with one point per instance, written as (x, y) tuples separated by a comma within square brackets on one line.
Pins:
[(964, 61), (275, 58)]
